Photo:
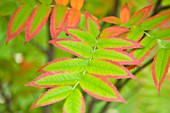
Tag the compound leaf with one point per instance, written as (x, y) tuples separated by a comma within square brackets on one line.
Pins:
[(77, 4), (125, 14)]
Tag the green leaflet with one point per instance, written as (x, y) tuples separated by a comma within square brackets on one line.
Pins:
[(74, 47), (155, 21), (92, 26), (160, 66), (7, 7), (21, 18), (113, 55), (97, 88), (115, 43), (41, 14), (148, 43), (135, 34), (30, 2), (163, 34), (74, 103), (53, 95), (46, 1), (67, 65), (57, 79), (83, 36), (103, 68)]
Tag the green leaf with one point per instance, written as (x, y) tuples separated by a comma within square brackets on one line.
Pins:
[(66, 65), (75, 47), (53, 95), (7, 7), (74, 103), (46, 1), (47, 80), (148, 43), (117, 43), (37, 20), (160, 67), (18, 21), (100, 89), (135, 34), (155, 21), (115, 55), (163, 34), (82, 36), (30, 2), (92, 26), (108, 69)]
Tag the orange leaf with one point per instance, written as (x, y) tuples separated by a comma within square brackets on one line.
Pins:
[(73, 18), (125, 14), (62, 2), (111, 19), (77, 4)]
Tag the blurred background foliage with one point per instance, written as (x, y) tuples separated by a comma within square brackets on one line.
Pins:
[(19, 63)]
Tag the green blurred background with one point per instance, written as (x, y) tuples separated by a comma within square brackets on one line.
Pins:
[(19, 64)]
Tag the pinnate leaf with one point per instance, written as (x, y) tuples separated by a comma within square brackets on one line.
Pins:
[(100, 89), (117, 43), (111, 20), (46, 1), (53, 95), (125, 14), (66, 65), (75, 47), (62, 2), (37, 20), (53, 79), (74, 103), (115, 55), (107, 69), (160, 67)]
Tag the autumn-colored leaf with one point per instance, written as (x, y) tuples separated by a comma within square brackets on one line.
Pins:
[(111, 19), (37, 20), (125, 14), (160, 67), (62, 2), (112, 32), (77, 4), (73, 18)]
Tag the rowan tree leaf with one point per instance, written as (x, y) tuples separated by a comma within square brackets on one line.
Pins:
[(160, 67), (66, 65), (18, 21), (155, 21), (107, 69), (53, 95), (54, 79), (37, 20), (125, 14), (116, 56), (82, 36), (112, 32), (77, 4), (58, 18), (74, 103), (111, 20), (30, 2), (73, 18), (117, 43), (75, 47), (163, 34), (100, 89)]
